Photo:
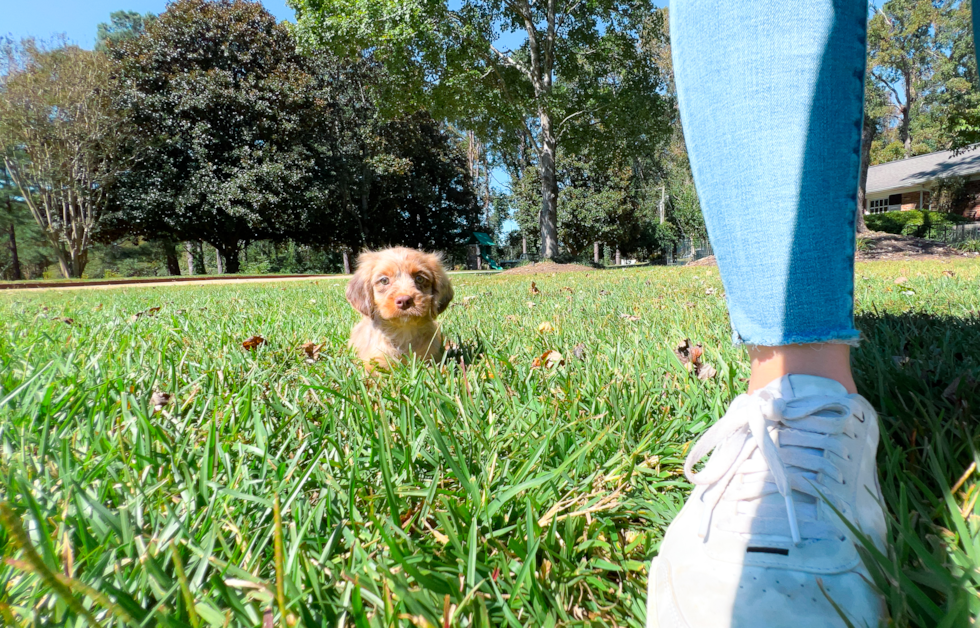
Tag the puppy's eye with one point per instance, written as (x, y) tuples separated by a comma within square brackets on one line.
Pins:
[(383, 281), (420, 281)]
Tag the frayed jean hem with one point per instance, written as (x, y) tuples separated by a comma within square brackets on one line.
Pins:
[(851, 337)]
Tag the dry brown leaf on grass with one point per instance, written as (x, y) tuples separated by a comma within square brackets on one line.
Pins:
[(466, 300), (534, 288), (948, 273), (159, 399), (511, 317), (531, 304), (690, 356), (149, 312), (951, 392), (901, 280), (603, 293), (549, 359), (253, 342), (312, 350), (629, 317), (579, 351), (545, 328), (66, 321), (567, 289)]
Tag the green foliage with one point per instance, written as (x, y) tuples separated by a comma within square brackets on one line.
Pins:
[(238, 137), (122, 25), (577, 78), (912, 222), (529, 496), (58, 139)]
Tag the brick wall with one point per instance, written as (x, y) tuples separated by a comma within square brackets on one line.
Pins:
[(910, 200), (971, 207)]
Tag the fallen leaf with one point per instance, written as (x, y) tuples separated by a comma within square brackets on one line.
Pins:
[(466, 300), (629, 317), (253, 342), (545, 328), (706, 372), (579, 351), (948, 273), (312, 301), (603, 293), (531, 304), (150, 312), (312, 350), (900, 360), (549, 359), (950, 393), (711, 291), (901, 280), (66, 321), (908, 293), (534, 288), (159, 399), (688, 353), (512, 317), (567, 289)]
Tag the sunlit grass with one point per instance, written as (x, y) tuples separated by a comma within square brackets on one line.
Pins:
[(495, 493)]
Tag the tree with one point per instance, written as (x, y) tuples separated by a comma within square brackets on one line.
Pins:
[(227, 121), (577, 76), (58, 138), (122, 25), (876, 115)]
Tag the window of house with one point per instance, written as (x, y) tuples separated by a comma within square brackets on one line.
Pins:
[(878, 206), (895, 199)]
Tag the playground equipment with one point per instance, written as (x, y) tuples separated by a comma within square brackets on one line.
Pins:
[(484, 240)]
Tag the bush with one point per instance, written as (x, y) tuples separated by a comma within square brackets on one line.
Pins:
[(913, 222)]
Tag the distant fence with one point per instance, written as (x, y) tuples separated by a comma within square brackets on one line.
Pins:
[(686, 251), (951, 234)]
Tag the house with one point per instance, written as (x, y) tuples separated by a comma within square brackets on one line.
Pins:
[(908, 183)]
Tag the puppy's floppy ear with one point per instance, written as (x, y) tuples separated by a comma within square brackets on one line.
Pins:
[(360, 294), (442, 288)]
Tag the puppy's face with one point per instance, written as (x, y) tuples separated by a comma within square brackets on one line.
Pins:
[(399, 284)]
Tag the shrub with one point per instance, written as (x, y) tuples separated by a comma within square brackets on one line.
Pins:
[(913, 222)]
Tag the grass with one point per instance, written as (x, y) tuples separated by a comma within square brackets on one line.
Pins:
[(273, 490)]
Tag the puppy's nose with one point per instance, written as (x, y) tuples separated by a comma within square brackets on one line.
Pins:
[(404, 303)]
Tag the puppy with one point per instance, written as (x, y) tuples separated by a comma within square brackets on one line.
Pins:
[(399, 292)]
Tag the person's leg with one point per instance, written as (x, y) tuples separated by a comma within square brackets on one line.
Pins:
[(771, 94)]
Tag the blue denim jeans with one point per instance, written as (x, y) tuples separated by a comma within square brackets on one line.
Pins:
[(771, 95)]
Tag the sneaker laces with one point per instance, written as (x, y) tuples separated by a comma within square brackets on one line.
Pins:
[(804, 427)]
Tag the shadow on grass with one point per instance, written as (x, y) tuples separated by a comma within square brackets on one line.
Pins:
[(920, 371)]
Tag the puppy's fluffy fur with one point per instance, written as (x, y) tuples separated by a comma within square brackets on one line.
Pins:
[(399, 292)]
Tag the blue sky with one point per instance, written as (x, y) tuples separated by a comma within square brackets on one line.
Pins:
[(78, 19)]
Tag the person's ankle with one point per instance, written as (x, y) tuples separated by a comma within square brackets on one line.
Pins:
[(822, 360)]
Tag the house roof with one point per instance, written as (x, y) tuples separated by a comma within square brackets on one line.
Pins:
[(917, 171)]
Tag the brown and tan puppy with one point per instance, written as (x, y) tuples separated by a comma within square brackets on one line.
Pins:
[(400, 292)]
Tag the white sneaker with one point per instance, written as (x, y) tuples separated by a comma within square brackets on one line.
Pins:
[(756, 540)]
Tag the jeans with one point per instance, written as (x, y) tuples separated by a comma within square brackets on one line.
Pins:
[(771, 96)]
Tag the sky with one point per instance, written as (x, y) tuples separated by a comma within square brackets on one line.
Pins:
[(79, 19)]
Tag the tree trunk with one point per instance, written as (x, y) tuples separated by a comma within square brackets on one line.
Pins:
[(189, 255), (524, 245), (868, 132), (479, 265), (230, 256), (217, 261), (173, 264), (906, 130), (618, 259), (14, 259), (595, 253), (549, 190), (346, 262)]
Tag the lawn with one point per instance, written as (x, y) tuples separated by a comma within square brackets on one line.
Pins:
[(520, 488)]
